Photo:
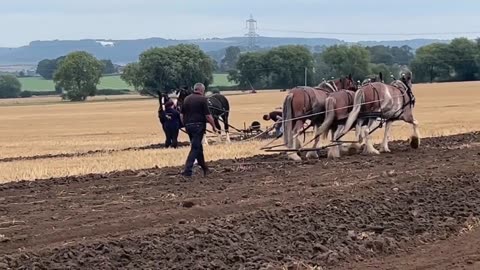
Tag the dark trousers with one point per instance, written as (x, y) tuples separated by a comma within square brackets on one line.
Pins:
[(195, 132), (171, 135)]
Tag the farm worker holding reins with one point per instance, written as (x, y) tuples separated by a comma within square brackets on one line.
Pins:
[(170, 119), (195, 114), (276, 117)]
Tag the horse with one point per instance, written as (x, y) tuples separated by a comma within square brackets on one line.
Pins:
[(337, 108), (308, 103), (391, 102), (219, 108)]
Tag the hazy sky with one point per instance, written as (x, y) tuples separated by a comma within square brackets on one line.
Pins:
[(22, 21)]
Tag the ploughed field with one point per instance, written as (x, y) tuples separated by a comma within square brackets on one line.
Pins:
[(410, 209)]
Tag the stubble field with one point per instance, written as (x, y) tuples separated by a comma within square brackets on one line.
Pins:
[(409, 209), (99, 137)]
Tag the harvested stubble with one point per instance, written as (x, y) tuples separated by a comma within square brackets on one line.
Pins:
[(32, 130)]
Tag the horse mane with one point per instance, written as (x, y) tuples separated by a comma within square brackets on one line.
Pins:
[(399, 84)]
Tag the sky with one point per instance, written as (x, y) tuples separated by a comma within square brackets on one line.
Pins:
[(23, 21)]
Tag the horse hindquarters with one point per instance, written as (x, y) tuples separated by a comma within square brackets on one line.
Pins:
[(328, 120), (291, 110), (359, 99)]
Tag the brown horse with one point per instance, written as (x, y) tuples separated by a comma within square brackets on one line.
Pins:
[(337, 108), (391, 102), (308, 103)]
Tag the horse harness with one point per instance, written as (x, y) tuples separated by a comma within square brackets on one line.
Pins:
[(216, 108), (406, 90)]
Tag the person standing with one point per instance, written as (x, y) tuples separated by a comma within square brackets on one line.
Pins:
[(195, 114), (170, 119)]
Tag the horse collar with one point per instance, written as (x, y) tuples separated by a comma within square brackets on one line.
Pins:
[(332, 86)]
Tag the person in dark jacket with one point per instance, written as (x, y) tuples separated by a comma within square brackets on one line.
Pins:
[(275, 116), (170, 119), (195, 114)]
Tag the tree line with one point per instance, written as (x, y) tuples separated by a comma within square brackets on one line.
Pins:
[(457, 61), (286, 66), (77, 74), (47, 67)]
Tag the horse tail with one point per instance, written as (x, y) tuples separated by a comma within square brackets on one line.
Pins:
[(357, 105), (330, 103), (287, 122)]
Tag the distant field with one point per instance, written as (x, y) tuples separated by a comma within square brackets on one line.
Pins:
[(221, 80), (108, 82)]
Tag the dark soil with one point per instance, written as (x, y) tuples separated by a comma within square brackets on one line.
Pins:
[(265, 212)]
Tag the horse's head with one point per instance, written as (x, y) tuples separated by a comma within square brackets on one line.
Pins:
[(406, 78), (182, 93), (348, 83)]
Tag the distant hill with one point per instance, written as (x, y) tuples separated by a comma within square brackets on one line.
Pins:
[(413, 43), (125, 51)]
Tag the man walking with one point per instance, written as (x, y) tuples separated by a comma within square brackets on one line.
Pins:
[(195, 115)]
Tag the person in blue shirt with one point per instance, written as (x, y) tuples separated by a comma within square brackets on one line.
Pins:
[(170, 119)]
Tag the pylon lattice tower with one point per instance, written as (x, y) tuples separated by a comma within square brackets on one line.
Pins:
[(251, 25)]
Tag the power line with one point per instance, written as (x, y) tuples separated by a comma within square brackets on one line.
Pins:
[(369, 33)]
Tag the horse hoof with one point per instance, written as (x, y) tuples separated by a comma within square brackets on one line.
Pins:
[(333, 156), (369, 152), (414, 142), (385, 150), (312, 155), (294, 157)]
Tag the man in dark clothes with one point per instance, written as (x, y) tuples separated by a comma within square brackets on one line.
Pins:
[(195, 115), (170, 119), (276, 117)]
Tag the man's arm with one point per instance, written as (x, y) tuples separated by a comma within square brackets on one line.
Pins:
[(208, 115), (211, 122)]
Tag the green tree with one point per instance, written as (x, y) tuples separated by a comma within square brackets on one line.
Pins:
[(431, 63), (229, 62), (345, 60), (78, 74), (10, 86), (47, 67), (322, 70), (166, 69), (250, 71), (285, 66), (381, 55), (109, 68), (132, 76), (384, 69), (461, 55), (402, 55)]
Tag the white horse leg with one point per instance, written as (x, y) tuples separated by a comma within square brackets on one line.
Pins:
[(356, 146), (228, 137), (334, 151), (314, 154), (296, 145), (369, 149), (415, 140), (384, 147)]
